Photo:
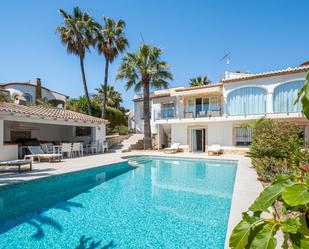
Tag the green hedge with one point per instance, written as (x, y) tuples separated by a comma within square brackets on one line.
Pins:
[(277, 148)]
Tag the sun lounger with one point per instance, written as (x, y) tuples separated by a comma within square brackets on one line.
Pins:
[(38, 153), (16, 163), (214, 149), (173, 149)]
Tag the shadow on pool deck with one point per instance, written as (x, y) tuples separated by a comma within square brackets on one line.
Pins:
[(89, 243), (8, 177)]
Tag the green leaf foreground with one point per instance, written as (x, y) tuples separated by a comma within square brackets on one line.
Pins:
[(241, 232), (265, 238), (270, 194), (255, 232), (296, 195)]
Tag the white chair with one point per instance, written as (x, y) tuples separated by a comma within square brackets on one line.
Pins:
[(47, 147), (66, 148), (215, 149), (76, 149), (105, 146), (93, 147), (173, 149)]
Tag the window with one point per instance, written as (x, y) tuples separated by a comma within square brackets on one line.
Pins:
[(243, 136), (246, 101), (285, 96), (82, 131), (28, 97), (200, 106), (167, 110)]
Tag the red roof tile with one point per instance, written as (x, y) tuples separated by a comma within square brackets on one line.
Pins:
[(56, 113)]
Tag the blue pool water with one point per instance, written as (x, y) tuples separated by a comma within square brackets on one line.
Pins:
[(163, 203)]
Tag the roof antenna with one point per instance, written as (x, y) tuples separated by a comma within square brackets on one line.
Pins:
[(142, 37), (226, 57)]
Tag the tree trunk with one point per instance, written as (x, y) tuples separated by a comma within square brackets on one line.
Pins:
[(147, 128), (105, 88), (85, 85)]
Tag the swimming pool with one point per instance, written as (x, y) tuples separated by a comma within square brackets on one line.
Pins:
[(162, 203)]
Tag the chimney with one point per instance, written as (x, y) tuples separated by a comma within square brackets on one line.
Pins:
[(38, 90)]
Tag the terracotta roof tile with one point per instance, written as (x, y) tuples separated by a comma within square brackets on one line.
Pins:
[(288, 70), (45, 112)]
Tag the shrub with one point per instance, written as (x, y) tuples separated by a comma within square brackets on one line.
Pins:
[(122, 129), (276, 148)]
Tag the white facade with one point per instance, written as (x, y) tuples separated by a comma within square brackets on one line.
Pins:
[(213, 114)]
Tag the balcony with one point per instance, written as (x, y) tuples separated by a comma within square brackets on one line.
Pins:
[(165, 113)]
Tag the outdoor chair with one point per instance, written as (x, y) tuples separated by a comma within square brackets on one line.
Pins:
[(66, 148), (214, 149), (77, 149), (93, 147), (47, 148), (173, 149), (38, 153), (105, 146)]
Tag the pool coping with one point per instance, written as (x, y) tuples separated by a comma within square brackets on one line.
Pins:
[(246, 190)]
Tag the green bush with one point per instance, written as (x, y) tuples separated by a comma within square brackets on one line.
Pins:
[(276, 148), (122, 130)]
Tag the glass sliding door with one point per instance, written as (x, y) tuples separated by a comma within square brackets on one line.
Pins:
[(198, 140)]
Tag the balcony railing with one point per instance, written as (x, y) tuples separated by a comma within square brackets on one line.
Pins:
[(165, 113), (171, 113)]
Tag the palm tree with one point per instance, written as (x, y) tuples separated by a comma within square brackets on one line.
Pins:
[(145, 69), (113, 97), (110, 42), (78, 35), (200, 81)]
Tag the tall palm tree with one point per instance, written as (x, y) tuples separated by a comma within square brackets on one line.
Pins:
[(145, 69), (111, 42), (200, 81), (77, 34), (113, 97)]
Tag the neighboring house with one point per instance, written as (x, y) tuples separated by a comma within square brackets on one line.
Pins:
[(28, 93), (131, 122), (23, 123), (200, 116)]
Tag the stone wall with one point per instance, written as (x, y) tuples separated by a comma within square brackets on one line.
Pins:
[(115, 139)]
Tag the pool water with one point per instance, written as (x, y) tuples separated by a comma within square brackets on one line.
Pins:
[(162, 203)]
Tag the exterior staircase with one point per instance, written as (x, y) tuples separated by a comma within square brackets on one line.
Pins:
[(134, 142)]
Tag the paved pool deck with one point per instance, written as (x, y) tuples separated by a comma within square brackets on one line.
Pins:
[(246, 187)]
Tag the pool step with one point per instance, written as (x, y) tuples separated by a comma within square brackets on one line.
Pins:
[(137, 162)]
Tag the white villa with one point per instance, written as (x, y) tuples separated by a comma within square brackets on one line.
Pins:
[(197, 117), (22, 123)]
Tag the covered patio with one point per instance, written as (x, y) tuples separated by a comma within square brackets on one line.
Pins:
[(22, 126)]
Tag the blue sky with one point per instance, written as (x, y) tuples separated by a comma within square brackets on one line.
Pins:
[(261, 35)]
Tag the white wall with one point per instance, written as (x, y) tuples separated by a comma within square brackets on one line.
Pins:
[(7, 152), (269, 84), (179, 133), (220, 133)]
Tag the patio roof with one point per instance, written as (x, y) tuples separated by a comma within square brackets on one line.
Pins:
[(51, 113)]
